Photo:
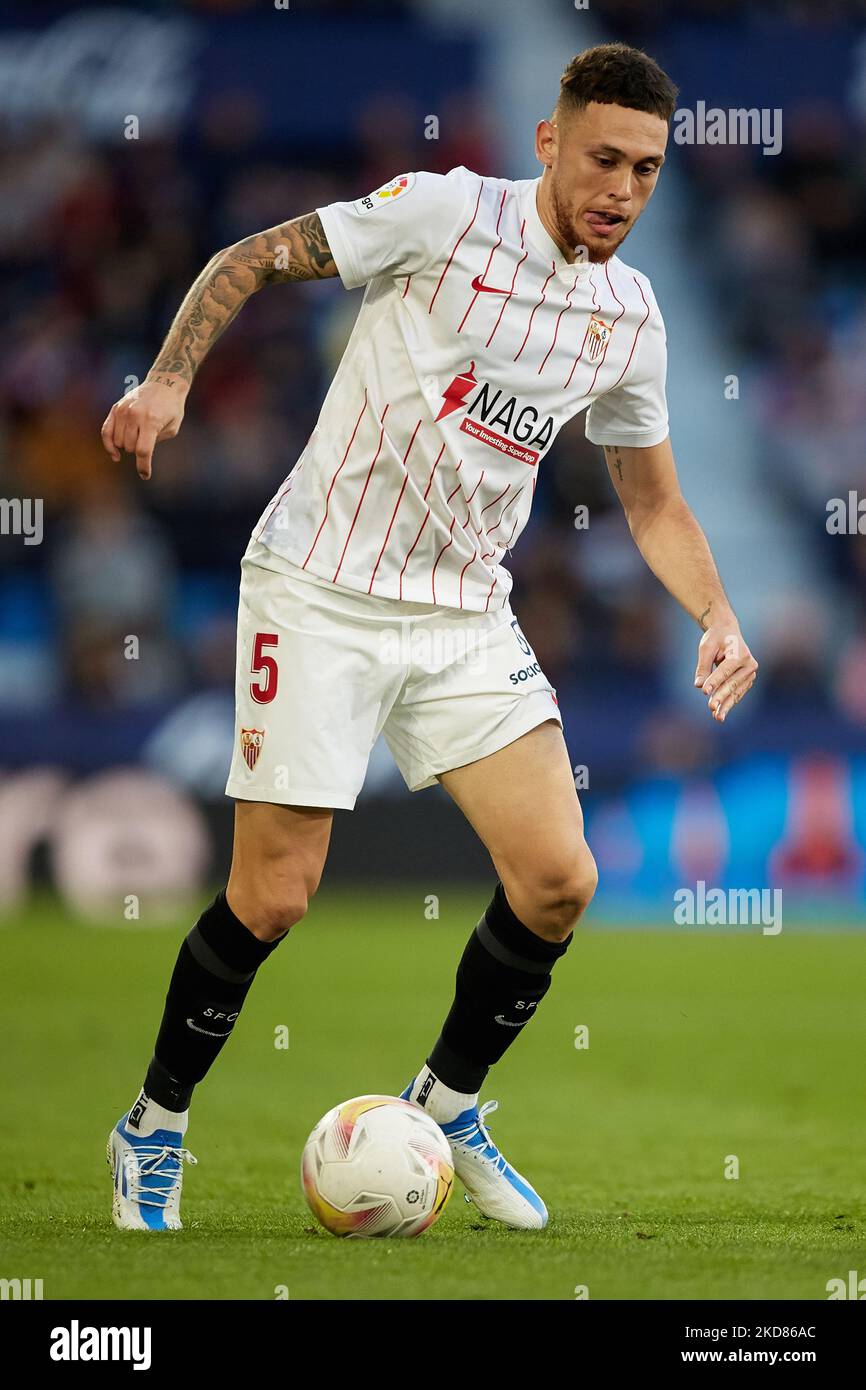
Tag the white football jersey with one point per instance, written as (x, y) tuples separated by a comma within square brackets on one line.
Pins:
[(475, 342)]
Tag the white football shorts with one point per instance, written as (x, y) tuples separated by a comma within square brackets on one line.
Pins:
[(322, 671)]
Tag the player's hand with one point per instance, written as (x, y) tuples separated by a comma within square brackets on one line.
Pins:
[(138, 422), (726, 669)]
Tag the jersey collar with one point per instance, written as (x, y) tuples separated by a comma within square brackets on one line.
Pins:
[(541, 239)]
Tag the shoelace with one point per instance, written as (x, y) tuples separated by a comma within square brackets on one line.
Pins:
[(150, 1158), (478, 1127), (475, 1126)]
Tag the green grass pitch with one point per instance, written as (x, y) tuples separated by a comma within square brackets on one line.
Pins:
[(702, 1044)]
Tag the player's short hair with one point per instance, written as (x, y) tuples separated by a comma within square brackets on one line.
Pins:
[(616, 74)]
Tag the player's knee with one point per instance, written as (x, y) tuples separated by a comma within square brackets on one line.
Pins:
[(270, 912), (275, 919), (565, 895), (584, 883)]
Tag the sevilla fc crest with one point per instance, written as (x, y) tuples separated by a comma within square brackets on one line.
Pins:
[(598, 334), (251, 745)]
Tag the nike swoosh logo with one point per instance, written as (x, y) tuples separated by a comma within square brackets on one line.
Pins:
[(500, 1019), (195, 1029), (486, 289)]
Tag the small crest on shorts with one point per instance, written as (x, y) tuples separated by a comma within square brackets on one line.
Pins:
[(599, 336), (251, 745)]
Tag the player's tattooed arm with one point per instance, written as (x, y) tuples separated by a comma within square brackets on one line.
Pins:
[(153, 411), (297, 250), (294, 251)]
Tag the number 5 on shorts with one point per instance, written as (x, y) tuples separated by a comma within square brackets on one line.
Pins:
[(263, 693)]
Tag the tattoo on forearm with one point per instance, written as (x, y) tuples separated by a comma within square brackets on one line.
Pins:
[(295, 251), (705, 614)]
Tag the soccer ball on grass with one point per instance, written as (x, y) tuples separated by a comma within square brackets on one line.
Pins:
[(376, 1166)]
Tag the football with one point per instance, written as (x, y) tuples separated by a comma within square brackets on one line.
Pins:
[(377, 1166)]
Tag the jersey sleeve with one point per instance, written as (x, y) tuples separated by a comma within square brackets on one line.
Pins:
[(397, 229), (634, 414)]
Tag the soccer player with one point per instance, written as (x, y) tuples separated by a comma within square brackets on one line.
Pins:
[(373, 596)]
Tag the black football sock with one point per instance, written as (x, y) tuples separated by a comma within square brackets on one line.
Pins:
[(214, 971), (503, 975)]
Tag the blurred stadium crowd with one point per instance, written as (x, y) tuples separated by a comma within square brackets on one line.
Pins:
[(98, 244)]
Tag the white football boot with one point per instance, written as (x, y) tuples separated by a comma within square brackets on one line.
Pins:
[(492, 1185), (148, 1172)]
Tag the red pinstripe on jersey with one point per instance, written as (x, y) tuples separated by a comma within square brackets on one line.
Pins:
[(513, 283), (613, 324), (637, 333), (396, 505), (483, 276), (500, 521), (286, 490), (363, 490), (489, 554), (426, 514), (596, 306), (465, 524), (447, 266), (479, 531), (449, 540), (491, 504), (280, 495), (333, 480), (535, 307), (566, 306), (513, 529)]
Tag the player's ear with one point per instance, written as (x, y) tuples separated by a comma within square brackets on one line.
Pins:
[(546, 141)]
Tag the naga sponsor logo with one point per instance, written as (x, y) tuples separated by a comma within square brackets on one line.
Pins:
[(497, 419)]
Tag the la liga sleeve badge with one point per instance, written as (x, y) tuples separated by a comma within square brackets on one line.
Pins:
[(386, 195)]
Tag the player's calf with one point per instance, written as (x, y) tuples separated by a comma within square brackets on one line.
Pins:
[(504, 973), (213, 973)]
